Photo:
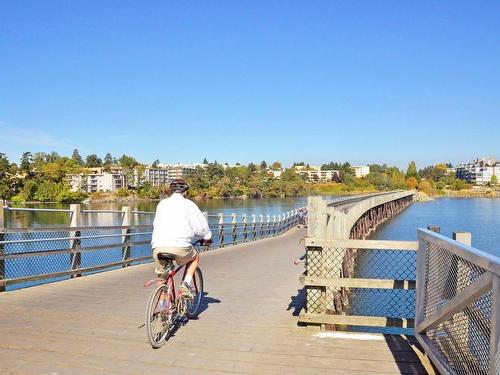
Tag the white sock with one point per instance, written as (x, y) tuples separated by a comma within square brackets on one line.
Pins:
[(188, 279)]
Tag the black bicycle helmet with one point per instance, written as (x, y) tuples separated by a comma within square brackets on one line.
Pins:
[(179, 186)]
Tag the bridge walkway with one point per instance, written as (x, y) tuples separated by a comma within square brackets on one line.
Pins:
[(94, 324)]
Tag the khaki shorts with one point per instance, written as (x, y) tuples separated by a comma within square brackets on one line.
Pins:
[(183, 255)]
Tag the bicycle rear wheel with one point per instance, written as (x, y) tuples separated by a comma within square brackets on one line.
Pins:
[(159, 316), (194, 305)]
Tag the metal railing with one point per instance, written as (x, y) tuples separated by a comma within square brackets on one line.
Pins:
[(458, 305), (29, 256), (448, 291), (366, 283)]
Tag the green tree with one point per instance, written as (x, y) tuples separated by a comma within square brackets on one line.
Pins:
[(412, 170), (76, 157), (494, 180), (5, 191), (205, 161), (263, 165), (26, 162), (276, 165), (92, 161), (108, 159), (155, 164)]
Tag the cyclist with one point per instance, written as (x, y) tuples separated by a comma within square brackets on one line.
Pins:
[(178, 223)]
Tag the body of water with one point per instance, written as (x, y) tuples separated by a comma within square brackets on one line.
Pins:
[(479, 216), (275, 206)]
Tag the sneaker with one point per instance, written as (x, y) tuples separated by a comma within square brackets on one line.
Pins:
[(186, 290)]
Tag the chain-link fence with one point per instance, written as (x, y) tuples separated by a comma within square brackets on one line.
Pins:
[(456, 320), (362, 283)]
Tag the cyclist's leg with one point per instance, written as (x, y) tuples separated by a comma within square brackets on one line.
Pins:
[(191, 268)]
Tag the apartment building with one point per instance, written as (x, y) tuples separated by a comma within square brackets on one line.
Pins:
[(315, 174), (96, 179), (360, 170), (479, 171)]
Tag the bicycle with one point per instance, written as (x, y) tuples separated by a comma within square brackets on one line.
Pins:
[(166, 306)]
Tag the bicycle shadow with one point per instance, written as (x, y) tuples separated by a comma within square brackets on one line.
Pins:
[(206, 302)]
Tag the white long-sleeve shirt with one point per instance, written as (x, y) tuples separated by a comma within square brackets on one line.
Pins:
[(178, 223)]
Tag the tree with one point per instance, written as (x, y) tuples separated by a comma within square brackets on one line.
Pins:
[(411, 183), (108, 159), (93, 161), (26, 161), (155, 164), (494, 180), (76, 157), (276, 165), (5, 191), (205, 161), (263, 165), (412, 170), (426, 187), (252, 167)]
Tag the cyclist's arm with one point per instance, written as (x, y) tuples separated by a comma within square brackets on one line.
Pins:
[(199, 223)]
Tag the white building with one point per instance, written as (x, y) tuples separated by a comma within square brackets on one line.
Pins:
[(97, 180), (315, 174), (361, 170), (479, 171)]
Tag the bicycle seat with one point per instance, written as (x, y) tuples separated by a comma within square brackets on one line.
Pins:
[(166, 256)]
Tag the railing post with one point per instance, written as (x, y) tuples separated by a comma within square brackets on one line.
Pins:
[(2, 238), (126, 222), (495, 327), (76, 222), (233, 229), (318, 219), (261, 220), (245, 227), (280, 223), (221, 229), (274, 226), (254, 227), (268, 225)]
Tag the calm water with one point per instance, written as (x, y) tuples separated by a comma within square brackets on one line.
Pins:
[(480, 216), (264, 207)]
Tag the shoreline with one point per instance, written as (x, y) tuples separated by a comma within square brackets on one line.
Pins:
[(490, 194)]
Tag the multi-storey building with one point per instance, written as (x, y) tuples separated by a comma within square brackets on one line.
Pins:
[(479, 171), (315, 174), (360, 170), (96, 179)]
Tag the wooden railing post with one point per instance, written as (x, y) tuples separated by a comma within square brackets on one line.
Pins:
[(76, 222), (2, 238), (126, 222), (254, 227), (221, 229), (245, 227), (233, 228), (317, 217)]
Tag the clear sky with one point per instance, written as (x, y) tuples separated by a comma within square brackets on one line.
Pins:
[(315, 81)]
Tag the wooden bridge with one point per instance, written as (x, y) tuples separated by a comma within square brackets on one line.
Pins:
[(254, 302), (248, 324)]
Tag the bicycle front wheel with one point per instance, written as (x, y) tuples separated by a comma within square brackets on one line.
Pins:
[(159, 316), (194, 305)]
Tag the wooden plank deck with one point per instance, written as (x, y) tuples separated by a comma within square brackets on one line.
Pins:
[(94, 324)]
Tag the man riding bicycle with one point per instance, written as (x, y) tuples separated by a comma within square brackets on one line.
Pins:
[(177, 225)]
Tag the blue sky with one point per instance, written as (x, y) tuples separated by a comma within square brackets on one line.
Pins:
[(315, 81)]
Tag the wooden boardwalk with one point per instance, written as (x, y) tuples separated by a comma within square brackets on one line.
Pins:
[(94, 324)]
